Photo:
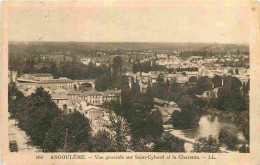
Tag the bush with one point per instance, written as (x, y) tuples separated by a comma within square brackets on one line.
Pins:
[(244, 149), (209, 144), (223, 135), (229, 139), (232, 142), (168, 143)]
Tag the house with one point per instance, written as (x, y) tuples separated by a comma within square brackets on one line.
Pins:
[(98, 117), (110, 95), (42, 76), (95, 97), (62, 82), (92, 97), (59, 99)]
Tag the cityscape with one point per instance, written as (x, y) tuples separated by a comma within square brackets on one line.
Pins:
[(133, 77), (128, 97)]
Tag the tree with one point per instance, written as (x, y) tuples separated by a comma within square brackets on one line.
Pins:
[(102, 83), (243, 122), (232, 142), (207, 144), (236, 71), (223, 135), (229, 139), (244, 149), (148, 101), (78, 134), (230, 96), (185, 119), (126, 103), (203, 84), (55, 137), (43, 70), (37, 114), (14, 99), (117, 66), (168, 143), (193, 79), (102, 142), (54, 70), (217, 81), (154, 124), (135, 67), (142, 145), (120, 133), (160, 79), (176, 119), (185, 102)]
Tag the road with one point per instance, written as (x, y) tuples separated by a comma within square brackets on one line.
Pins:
[(14, 133)]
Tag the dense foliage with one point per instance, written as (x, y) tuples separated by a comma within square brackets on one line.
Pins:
[(75, 128), (168, 143), (102, 142), (207, 144), (36, 114), (45, 123), (229, 139)]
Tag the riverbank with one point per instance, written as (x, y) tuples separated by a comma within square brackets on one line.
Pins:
[(213, 111), (211, 123)]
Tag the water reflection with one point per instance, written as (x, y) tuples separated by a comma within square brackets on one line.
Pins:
[(211, 125)]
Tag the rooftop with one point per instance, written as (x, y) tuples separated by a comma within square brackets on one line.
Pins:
[(63, 80), (160, 101), (42, 75)]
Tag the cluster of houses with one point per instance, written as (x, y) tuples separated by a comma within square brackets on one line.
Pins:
[(184, 69), (67, 96)]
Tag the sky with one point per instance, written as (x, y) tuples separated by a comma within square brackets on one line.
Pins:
[(129, 22)]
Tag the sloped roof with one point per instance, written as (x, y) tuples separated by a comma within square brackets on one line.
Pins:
[(163, 111), (160, 101)]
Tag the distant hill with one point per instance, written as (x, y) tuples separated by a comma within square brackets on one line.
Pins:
[(118, 45)]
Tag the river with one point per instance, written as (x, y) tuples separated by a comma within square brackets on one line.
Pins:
[(209, 124)]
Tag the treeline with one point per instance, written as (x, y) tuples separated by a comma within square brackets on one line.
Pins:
[(225, 139), (210, 53), (233, 99), (241, 63), (146, 67), (70, 69), (204, 53)]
